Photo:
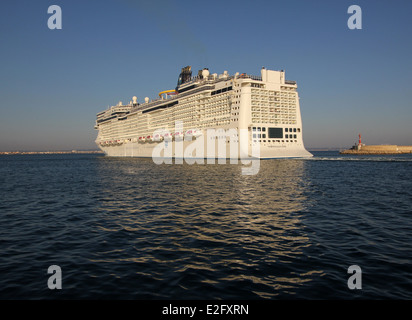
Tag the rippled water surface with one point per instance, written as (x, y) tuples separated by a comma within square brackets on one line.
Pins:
[(124, 228)]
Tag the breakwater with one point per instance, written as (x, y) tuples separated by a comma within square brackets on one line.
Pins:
[(378, 149)]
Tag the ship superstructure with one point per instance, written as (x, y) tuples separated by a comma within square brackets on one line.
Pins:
[(265, 108)]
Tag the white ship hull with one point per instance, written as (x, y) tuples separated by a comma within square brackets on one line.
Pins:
[(146, 151)]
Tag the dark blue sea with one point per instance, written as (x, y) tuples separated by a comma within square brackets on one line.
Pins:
[(126, 228)]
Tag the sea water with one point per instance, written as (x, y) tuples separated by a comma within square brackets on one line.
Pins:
[(127, 228)]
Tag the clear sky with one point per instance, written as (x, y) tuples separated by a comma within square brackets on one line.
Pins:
[(53, 82)]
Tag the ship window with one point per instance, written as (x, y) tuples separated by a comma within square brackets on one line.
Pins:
[(275, 133), (294, 129), (264, 136), (298, 129), (286, 136), (294, 136), (286, 129), (254, 135), (264, 129)]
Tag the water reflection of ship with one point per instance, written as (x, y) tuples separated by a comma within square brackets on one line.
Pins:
[(275, 196), (211, 219)]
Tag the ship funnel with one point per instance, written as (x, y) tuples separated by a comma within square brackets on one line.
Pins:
[(185, 75)]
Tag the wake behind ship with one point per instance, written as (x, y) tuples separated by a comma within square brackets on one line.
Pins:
[(225, 115)]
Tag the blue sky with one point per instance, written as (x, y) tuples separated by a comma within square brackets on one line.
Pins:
[(53, 82)]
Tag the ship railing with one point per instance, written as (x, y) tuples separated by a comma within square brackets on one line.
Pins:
[(212, 79), (124, 108), (249, 76), (209, 78), (153, 103)]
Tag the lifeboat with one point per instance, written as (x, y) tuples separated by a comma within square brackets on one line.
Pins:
[(197, 133), (149, 138), (189, 133), (178, 135), (158, 137), (168, 136), (142, 139), (193, 133)]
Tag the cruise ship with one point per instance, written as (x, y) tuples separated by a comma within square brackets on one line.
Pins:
[(209, 115)]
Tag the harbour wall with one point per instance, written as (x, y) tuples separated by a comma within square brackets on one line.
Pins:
[(379, 149)]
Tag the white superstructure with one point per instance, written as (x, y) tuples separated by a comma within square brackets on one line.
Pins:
[(265, 108)]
